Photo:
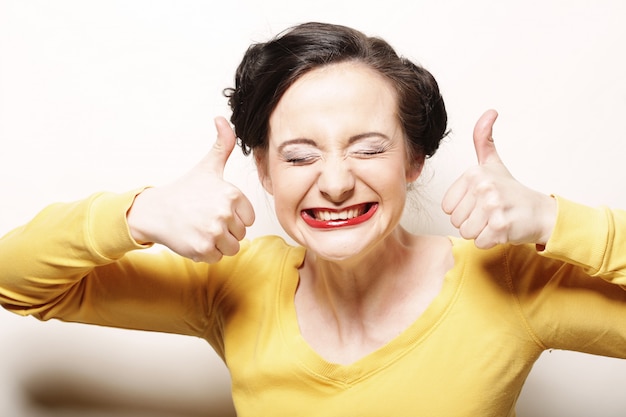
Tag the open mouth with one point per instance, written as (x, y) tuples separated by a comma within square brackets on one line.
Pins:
[(323, 218)]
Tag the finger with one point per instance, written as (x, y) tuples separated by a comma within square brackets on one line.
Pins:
[(245, 211), (486, 239), (221, 244), (210, 257), (474, 225), (463, 210), (454, 195), (222, 148), (483, 138), (242, 218), (227, 244), (237, 227)]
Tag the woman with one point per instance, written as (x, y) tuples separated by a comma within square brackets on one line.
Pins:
[(361, 317)]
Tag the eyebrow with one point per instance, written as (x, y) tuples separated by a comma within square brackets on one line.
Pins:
[(351, 140), (297, 141), (367, 135)]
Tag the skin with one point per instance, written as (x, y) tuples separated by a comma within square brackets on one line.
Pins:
[(200, 215), (335, 143), (323, 157), (361, 283), (490, 206)]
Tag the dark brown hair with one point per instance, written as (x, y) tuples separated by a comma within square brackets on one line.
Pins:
[(268, 69)]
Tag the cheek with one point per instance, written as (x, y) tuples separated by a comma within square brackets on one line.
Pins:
[(290, 186), (384, 173), (290, 189)]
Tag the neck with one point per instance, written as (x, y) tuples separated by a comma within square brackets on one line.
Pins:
[(348, 309), (368, 285)]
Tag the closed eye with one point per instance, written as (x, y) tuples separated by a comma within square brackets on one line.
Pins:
[(299, 151), (367, 152), (372, 151), (299, 158), (300, 161)]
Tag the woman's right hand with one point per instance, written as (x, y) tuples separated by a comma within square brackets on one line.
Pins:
[(199, 216)]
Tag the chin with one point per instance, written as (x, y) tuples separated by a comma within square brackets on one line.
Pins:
[(336, 248)]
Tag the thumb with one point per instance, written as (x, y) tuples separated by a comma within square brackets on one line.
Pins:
[(483, 138), (217, 157)]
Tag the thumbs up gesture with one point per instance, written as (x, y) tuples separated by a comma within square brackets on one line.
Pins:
[(199, 216), (490, 206)]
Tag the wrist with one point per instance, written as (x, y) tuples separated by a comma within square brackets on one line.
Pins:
[(137, 218), (548, 216)]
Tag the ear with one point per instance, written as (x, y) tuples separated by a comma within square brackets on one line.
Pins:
[(260, 159), (414, 169)]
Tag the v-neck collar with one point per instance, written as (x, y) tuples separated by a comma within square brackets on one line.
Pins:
[(409, 339)]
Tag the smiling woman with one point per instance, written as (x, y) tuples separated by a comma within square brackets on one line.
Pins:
[(358, 308), (336, 152)]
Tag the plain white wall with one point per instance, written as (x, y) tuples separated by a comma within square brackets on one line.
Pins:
[(110, 95)]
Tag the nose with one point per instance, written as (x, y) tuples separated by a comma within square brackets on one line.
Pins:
[(336, 180)]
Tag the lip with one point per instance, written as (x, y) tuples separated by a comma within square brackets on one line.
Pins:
[(367, 211)]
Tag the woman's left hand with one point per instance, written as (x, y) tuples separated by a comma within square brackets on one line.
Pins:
[(490, 206)]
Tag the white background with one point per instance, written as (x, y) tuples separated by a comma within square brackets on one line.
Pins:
[(111, 95)]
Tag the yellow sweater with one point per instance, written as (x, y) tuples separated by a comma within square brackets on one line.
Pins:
[(467, 355)]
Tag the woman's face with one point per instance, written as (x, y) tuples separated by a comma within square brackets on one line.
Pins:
[(336, 162)]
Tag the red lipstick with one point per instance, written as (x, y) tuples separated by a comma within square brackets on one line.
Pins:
[(313, 220)]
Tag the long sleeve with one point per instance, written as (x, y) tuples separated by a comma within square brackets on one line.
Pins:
[(64, 239), (77, 262), (572, 295), (592, 238)]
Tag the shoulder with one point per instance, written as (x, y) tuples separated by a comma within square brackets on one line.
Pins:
[(518, 269), (260, 259), (499, 256), (507, 267), (268, 250)]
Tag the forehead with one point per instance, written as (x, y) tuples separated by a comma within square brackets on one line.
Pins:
[(347, 95)]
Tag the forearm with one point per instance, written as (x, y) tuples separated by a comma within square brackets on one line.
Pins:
[(46, 257), (592, 238)]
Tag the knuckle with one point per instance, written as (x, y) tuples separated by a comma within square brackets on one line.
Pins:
[(232, 194), (484, 244), (485, 187), (209, 255), (240, 234), (456, 221), (499, 225), (466, 232), (492, 205), (231, 249), (213, 230), (213, 257), (474, 173), (201, 248), (221, 215)]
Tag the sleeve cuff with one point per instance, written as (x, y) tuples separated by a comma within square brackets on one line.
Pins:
[(107, 225), (580, 235)]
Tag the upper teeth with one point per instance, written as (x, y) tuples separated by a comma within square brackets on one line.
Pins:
[(337, 215)]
